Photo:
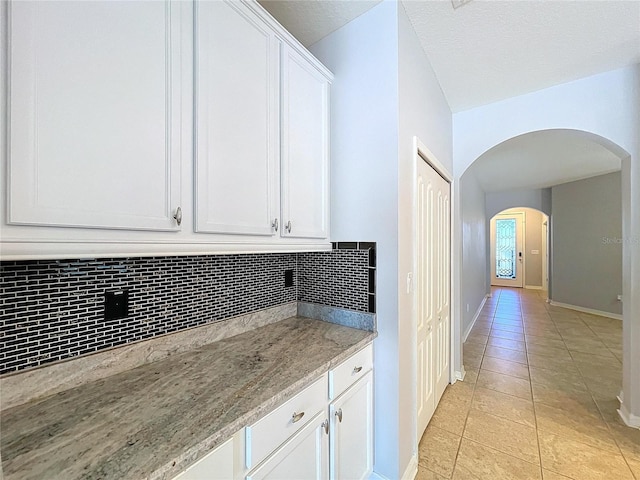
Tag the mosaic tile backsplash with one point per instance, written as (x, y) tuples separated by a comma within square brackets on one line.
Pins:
[(54, 309)]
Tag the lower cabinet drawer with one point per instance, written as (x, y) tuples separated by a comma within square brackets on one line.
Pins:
[(271, 431), (350, 371), (304, 456)]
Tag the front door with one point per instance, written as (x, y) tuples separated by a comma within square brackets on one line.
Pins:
[(506, 250)]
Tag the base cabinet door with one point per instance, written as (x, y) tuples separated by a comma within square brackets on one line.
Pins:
[(304, 456), (351, 440), (217, 465)]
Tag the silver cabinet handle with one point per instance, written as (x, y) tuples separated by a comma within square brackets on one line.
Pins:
[(357, 369), (274, 225), (288, 227), (296, 417), (325, 425), (339, 414), (178, 216)]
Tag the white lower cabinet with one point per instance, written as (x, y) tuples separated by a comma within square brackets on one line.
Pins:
[(217, 465), (304, 456), (351, 436), (324, 432)]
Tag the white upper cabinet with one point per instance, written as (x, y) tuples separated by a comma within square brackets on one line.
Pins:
[(159, 128), (93, 109), (236, 103), (305, 148)]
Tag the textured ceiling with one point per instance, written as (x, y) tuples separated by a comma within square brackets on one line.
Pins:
[(489, 50), (311, 20), (486, 51), (542, 159)]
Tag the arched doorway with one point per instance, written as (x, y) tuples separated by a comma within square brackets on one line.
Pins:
[(525, 174)]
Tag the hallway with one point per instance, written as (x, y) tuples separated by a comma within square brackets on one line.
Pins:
[(538, 400)]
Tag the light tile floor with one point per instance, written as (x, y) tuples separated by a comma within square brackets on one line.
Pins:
[(538, 400)]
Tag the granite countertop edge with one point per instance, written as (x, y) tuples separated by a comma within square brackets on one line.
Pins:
[(179, 464)]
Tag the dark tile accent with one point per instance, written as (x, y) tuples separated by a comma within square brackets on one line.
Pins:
[(347, 245), (372, 303), (372, 280), (366, 245)]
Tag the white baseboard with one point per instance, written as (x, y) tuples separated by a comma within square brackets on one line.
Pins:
[(475, 317), (459, 375), (533, 287), (600, 313), (409, 474), (627, 417), (412, 469)]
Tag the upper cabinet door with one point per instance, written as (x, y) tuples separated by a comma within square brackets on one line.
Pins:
[(94, 114), (237, 91), (305, 148)]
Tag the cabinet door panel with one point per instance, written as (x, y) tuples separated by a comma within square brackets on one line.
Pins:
[(236, 120), (217, 465), (304, 456), (94, 114), (351, 444), (305, 148)]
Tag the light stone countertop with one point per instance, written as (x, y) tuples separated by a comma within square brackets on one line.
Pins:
[(155, 420)]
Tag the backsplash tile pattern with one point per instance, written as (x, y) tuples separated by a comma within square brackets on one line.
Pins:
[(53, 309), (335, 278)]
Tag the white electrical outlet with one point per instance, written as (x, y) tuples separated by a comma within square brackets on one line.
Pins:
[(619, 298)]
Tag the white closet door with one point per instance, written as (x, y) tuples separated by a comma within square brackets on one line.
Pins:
[(432, 291), (237, 91), (425, 290), (442, 283), (94, 114)]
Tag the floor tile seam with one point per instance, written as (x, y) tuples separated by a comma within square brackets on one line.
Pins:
[(507, 348), (501, 416), (420, 463), (535, 382), (506, 360), (602, 417), (466, 418), (564, 437), (629, 466), (499, 451), (615, 448), (505, 374), (600, 356)]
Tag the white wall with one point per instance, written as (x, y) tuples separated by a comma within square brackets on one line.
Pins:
[(495, 202), (607, 106), (363, 55), (423, 112), (473, 283), (384, 93)]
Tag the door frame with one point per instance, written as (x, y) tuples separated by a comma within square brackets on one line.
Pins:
[(523, 236), (422, 154)]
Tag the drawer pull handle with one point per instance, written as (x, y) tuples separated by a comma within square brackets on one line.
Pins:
[(357, 369), (339, 414), (296, 417), (325, 425)]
